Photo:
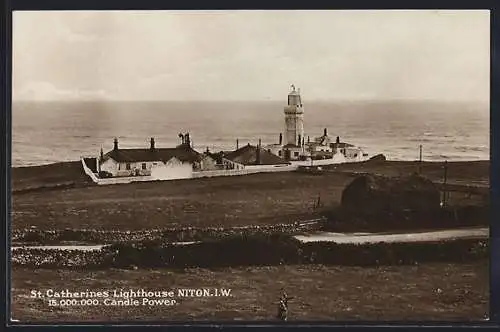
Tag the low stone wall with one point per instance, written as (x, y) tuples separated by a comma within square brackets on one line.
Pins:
[(254, 250), (173, 234)]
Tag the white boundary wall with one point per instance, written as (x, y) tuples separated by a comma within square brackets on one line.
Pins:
[(200, 174), (203, 174), (88, 171), (245, 171)]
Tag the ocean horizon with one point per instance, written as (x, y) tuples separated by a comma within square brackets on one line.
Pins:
[(50, 132)]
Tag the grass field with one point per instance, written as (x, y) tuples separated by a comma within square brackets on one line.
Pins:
[(425, 292), (223, 201), (430, 291)]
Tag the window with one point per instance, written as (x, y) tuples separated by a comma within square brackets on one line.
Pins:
[(279, 153), (143, 165), (154, 164), (128, 166), (295, 154)]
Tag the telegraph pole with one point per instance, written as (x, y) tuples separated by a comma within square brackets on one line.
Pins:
[(444, 182), (420, 160)]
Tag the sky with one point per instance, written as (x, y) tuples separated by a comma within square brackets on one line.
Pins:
[(251, 55)]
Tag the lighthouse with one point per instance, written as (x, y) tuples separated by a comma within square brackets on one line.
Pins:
[(292, 145), (294, 119)]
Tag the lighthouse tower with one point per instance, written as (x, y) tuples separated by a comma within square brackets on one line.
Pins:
[(294, 119)]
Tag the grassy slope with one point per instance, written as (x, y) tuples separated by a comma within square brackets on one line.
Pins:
[(473, 172), (426, 292), (63, 173)]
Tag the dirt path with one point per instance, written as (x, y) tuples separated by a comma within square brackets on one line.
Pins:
[(434, 236)]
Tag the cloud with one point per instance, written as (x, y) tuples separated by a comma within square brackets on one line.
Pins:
[(251, 55), (44, 91)]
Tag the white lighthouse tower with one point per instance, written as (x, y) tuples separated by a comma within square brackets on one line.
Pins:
[(294, 126), (294, 119)]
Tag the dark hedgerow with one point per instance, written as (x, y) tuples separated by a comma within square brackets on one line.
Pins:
[(249, 250)]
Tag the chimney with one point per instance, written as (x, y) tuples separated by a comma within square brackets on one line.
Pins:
[(308, 139), (115, 144), (338, 140), (258, 153), (325, 132), (299, 140), (303, 141), (102, 154), (237, 144), (281, 138), (152, 147)]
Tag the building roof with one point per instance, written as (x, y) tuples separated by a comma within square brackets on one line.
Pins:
[(247, 155), (212, 154), (322, 140), (273, 145), (217, 156), (183, 153), (292, 146)]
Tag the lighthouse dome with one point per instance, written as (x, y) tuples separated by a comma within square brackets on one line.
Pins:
[(294, 97), (294, 91)]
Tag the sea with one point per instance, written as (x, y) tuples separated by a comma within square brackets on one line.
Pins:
[(49, 132)]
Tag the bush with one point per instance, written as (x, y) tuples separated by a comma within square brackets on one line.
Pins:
[(373, 195)]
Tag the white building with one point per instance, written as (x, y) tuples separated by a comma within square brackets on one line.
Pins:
[(321, 144), (150, 161)]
